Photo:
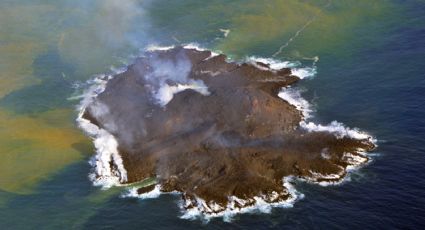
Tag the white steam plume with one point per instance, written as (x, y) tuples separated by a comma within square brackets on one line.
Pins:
[(171, 76)]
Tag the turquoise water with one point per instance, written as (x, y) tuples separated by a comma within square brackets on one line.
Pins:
[(371, 75)]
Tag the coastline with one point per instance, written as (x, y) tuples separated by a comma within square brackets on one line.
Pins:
[(197, 207)]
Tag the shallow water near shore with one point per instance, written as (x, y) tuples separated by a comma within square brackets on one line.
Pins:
[(370, 74)]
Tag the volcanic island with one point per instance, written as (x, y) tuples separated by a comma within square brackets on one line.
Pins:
[(213, 130)]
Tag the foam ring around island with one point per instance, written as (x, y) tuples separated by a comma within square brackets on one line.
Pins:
[(108, 153)]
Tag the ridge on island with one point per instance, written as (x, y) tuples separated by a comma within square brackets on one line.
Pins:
[(213, 130)]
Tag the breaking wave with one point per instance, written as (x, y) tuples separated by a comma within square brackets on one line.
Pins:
[(259, 205), (293, 97), (132, 192)]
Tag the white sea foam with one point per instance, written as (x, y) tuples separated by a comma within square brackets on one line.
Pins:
[(305, 72), (354, 161), (196, 46), (274, 64), (105, 143), (326, 179), (206, 211), (155, 193), (337, 179), (293, 97), (334, 176)]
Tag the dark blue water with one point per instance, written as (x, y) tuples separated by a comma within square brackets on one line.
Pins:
[(378, 85)]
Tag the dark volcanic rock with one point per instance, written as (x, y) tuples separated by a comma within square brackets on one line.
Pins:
[(237, 139), (146, 189)]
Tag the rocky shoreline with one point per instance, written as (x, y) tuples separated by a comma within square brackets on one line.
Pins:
[(214, 131)]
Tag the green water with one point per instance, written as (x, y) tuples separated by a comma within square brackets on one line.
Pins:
[(49, 49)]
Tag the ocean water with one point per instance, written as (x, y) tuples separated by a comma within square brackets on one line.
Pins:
[(370, 62)]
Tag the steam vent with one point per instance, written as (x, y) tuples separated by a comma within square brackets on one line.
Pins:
[(213, 130)]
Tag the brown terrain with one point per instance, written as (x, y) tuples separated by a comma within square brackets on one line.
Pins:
[(240, 140)]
